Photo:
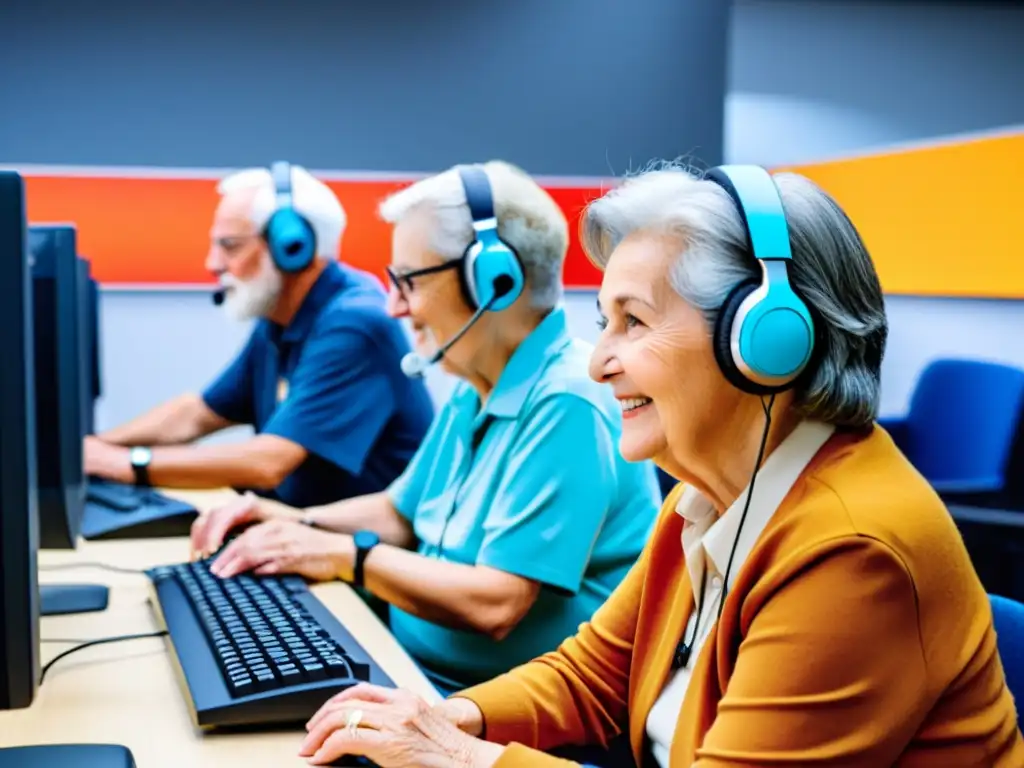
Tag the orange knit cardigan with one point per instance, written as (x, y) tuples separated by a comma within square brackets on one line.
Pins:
[(857, 634)]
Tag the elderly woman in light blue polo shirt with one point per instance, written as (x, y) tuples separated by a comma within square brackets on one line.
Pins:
[(517, 517)]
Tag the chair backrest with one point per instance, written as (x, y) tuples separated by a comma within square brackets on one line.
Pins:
[(963, 418), (1013, 490), (1008, 618)]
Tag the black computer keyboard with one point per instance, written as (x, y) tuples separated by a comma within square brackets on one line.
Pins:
[(119, 496), (120, 510), (255, 650)]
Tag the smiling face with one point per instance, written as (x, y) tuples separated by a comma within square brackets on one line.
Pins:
[(656, 353), (433, 302)]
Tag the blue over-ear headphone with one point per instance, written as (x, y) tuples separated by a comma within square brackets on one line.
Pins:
[(764, 334), (492, 274), (290, 237)]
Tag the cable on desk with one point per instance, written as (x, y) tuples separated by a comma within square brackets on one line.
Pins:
[(90, 564), (98, 641), (65, 640)]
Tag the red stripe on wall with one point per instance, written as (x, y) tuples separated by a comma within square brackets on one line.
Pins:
[(155, 230)]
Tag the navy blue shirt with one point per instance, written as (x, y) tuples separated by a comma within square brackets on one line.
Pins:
[(331, 382)]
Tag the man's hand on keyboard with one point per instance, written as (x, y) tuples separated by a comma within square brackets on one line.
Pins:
[(210, 529), (287, 546)]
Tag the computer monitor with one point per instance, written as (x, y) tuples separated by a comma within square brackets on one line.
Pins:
[(97, 344), (19, 595), (89, 325), (60, 378), (19, 522)]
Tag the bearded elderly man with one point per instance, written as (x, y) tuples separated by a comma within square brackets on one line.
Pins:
[(319, 378)]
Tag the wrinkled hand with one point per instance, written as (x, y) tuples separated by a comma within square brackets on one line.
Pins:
[(208, 530), (462, 713), (286, 546), (465, 714), (101, 459), (395, 728)]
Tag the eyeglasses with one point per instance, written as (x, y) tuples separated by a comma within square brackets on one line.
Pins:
[(231, 244), (403, 282)]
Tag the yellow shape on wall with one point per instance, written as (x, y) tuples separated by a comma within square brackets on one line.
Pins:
[(943, 220)]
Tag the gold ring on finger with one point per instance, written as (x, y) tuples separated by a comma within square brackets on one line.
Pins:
[(355, 717)]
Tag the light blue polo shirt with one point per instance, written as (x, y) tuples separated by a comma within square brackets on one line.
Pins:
[(532, 484)]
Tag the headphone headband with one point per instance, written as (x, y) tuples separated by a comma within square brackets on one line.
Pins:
[(290, 237), (281, 171), (764, 333), (759, 205), (478, 195)]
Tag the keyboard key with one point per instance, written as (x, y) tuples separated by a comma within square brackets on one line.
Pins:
[(260, 636)]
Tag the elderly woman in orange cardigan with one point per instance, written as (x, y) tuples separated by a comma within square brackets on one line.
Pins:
[(805, 598)]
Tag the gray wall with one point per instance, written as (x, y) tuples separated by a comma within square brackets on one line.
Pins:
[(565, 87), (813, 79)]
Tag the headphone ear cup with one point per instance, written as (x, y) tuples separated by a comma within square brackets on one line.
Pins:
[(291, 241), (722, 339), (486, 262)]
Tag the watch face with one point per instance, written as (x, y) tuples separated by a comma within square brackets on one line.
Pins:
[(366, 539), (140, 456)]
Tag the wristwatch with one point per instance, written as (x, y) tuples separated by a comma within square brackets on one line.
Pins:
[(364, 541), (140, 457)]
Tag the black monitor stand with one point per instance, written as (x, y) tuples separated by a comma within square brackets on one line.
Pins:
[(60, 515), (58, 599), (77, 755)]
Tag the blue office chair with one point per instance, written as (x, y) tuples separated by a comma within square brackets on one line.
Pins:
[(961, 427), (1008, 617)]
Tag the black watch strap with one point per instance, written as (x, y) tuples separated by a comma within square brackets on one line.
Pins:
[(141, 475), (360, 567), (364, 541), (140, 457)]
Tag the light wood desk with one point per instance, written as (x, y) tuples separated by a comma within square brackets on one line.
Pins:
[(128, 693)]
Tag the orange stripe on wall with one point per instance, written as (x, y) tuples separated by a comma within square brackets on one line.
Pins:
[(156, 230), (945, 220)]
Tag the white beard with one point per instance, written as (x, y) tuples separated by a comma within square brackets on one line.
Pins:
[(249, 299)]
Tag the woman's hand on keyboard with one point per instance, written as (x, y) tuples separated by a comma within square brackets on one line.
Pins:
[(392, 728), (464, 714), (211, 528), (287, 546)]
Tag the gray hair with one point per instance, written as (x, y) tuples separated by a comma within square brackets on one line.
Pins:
[(529, 220), (831, 271)]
